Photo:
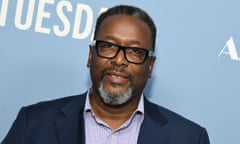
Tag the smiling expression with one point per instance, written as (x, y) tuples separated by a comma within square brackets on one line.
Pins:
[(117, 77)]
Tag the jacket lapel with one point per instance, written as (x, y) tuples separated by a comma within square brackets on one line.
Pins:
[(152, 130), (70, 128)]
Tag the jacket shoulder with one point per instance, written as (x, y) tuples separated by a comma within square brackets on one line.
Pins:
[(170, 127), (51, 108), (174, 117), (173, 120), (36, 123)]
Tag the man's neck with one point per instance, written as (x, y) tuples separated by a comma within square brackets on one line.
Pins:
[(113, 116)]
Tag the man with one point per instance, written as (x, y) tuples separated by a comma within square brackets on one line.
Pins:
[(114, 110)]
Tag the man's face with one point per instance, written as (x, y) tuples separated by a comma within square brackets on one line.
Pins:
[(116, 80)]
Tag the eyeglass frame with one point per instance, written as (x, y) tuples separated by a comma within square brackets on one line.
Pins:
[(149, 53)]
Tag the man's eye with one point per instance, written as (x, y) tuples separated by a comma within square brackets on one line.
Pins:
[(106, 45), (137, 51)]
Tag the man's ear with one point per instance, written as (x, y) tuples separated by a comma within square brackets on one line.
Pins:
[(90, 56), (151, 65)]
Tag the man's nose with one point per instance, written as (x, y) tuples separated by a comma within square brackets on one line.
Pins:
[(120, 58)]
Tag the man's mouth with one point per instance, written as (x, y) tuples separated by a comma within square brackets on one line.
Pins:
[(117, 78)]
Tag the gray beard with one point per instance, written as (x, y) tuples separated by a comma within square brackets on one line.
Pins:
[(114, 98)]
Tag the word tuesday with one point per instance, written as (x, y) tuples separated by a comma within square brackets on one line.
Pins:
[(45, 12)]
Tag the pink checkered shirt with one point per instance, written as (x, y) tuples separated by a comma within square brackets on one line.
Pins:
[(98, 132)]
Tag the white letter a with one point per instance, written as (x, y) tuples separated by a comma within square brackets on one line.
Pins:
[(231, 50)]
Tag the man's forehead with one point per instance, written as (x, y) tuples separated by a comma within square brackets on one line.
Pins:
[(125, 28)]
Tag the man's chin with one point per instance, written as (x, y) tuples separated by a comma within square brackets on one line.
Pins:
[(116, 98)]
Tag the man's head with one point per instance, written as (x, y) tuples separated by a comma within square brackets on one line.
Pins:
[(121, 58), (130, 11)]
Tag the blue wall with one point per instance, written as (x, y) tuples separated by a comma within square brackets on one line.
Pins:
[(43, 55)]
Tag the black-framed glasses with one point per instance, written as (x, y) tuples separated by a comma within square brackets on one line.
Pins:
[(110, 50)]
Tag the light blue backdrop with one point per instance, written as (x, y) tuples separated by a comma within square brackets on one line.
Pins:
[(197, 72)]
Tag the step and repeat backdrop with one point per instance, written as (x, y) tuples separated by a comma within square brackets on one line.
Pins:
[(44, 50)]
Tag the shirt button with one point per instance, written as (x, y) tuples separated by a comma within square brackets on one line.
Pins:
[(113, 136)]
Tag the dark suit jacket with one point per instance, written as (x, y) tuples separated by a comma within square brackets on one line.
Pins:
[(61, 122)]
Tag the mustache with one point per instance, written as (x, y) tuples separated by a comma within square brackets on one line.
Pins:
[(117, 70)]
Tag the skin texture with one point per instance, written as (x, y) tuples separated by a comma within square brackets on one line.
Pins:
[(117, 75)]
